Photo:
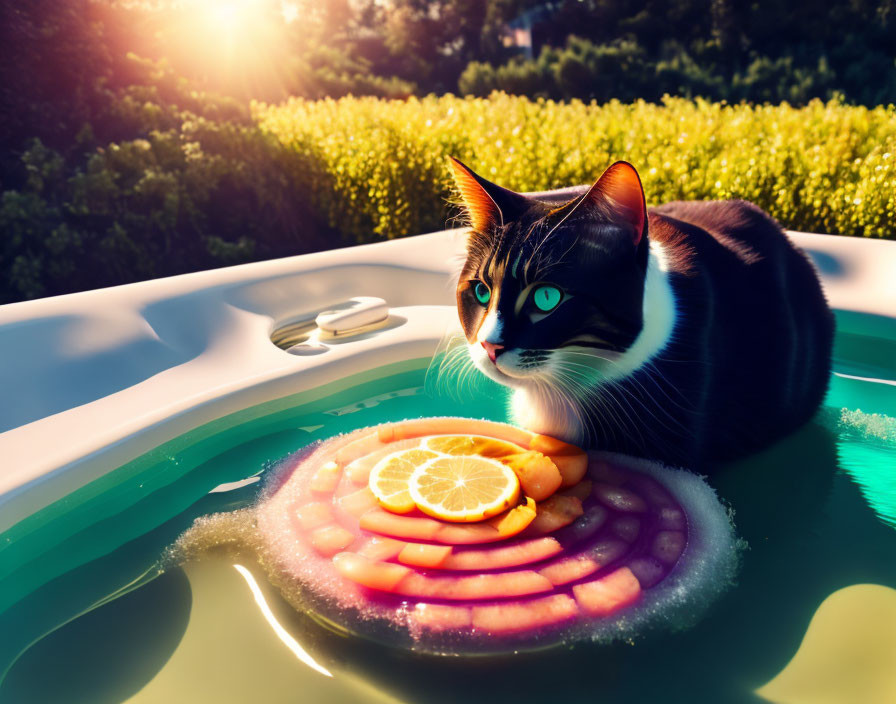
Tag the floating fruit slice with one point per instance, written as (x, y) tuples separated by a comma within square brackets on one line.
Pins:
[(581, 491), (446, 557), (494, 558), (314, 515), (538, 475), (605, 596), (452, 426), (380, 548), (572, 461), (516, 520), (389, 479), (424, 554), (568, 569), (499, 585), (442, 617), (416, 528), (520, 616), (472, 445), (555, 513), (358, 502), (383, 576), (326, 478), (328, 540), (464, 489)]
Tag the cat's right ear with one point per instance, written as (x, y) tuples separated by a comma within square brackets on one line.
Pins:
[(619, 194), (488, 205)]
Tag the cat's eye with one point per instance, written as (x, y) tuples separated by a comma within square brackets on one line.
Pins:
[(546, 298), (480, 290)]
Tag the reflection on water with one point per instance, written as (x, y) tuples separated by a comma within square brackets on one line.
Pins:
[(232, 651), (281, 632), (83, 661), (847, 654), (817, 510)]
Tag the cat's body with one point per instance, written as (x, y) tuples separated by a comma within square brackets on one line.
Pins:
[(691, 334)]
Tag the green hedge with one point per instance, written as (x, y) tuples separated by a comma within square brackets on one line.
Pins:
[(198, 191), (379, 167), (209, 186)]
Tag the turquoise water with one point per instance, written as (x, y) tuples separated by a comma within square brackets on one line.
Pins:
[(80, 582)]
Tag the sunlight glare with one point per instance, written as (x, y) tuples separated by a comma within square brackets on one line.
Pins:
[(290, 12), (281, 632), (236, 46), (225, 14)]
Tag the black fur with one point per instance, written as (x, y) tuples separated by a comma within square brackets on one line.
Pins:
[(750, 357)]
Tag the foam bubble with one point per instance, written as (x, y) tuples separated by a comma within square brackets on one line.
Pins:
[(867, 426)]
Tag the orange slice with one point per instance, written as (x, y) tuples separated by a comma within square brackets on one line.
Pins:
[(464, 488), (389, 479), (472, 445)]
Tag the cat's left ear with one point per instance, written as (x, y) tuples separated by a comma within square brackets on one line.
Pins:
[(487, 204), (618, 195)]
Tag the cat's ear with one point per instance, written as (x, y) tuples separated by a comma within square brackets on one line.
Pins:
[(487, 205), (618, 195)]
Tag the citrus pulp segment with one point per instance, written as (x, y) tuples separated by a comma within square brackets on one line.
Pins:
[(471, 445), (389, 479), (464, 488)]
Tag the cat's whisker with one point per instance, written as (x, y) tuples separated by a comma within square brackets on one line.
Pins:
[(627, 398), (588, 418), (598, 398), (658, 373), (455, 369), (570, 404), (562, 375), (635, 380)]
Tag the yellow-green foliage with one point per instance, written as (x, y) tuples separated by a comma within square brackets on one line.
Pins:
[(381, 172)]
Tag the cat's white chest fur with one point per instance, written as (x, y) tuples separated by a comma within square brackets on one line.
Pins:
[(566, 409), (546, 413)]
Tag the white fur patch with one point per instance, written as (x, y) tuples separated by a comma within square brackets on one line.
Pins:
[(544, 411), (659, 318), (491, 329)]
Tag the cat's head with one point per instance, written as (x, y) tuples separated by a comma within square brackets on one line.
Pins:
[(550, 296)]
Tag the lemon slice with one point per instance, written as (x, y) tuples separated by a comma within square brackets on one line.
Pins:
[(390, 477), (463, 488), (471, 445)]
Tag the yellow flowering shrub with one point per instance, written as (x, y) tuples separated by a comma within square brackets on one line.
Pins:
[(380, 170)]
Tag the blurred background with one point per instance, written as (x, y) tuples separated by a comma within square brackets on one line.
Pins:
[(145, 138)]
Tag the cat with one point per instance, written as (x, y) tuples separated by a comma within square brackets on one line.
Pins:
[(691, 333)]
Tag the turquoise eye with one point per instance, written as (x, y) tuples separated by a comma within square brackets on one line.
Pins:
[(547, 298), (480, 290)]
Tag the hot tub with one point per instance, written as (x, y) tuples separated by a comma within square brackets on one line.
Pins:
[(130, 411)]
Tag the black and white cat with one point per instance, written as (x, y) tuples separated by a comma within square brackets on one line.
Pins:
[(691, 333)]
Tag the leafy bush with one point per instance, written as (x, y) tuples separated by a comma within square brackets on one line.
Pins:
[(202, 195), (624, 70), (379, 167), (213, 187)]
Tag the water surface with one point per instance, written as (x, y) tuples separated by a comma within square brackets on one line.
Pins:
[(80, 581)]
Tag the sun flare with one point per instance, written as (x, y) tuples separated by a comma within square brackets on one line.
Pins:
[(234, 17), (226, 15), (235, 46)]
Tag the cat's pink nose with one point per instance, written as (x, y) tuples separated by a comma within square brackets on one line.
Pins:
[(492, 350)]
